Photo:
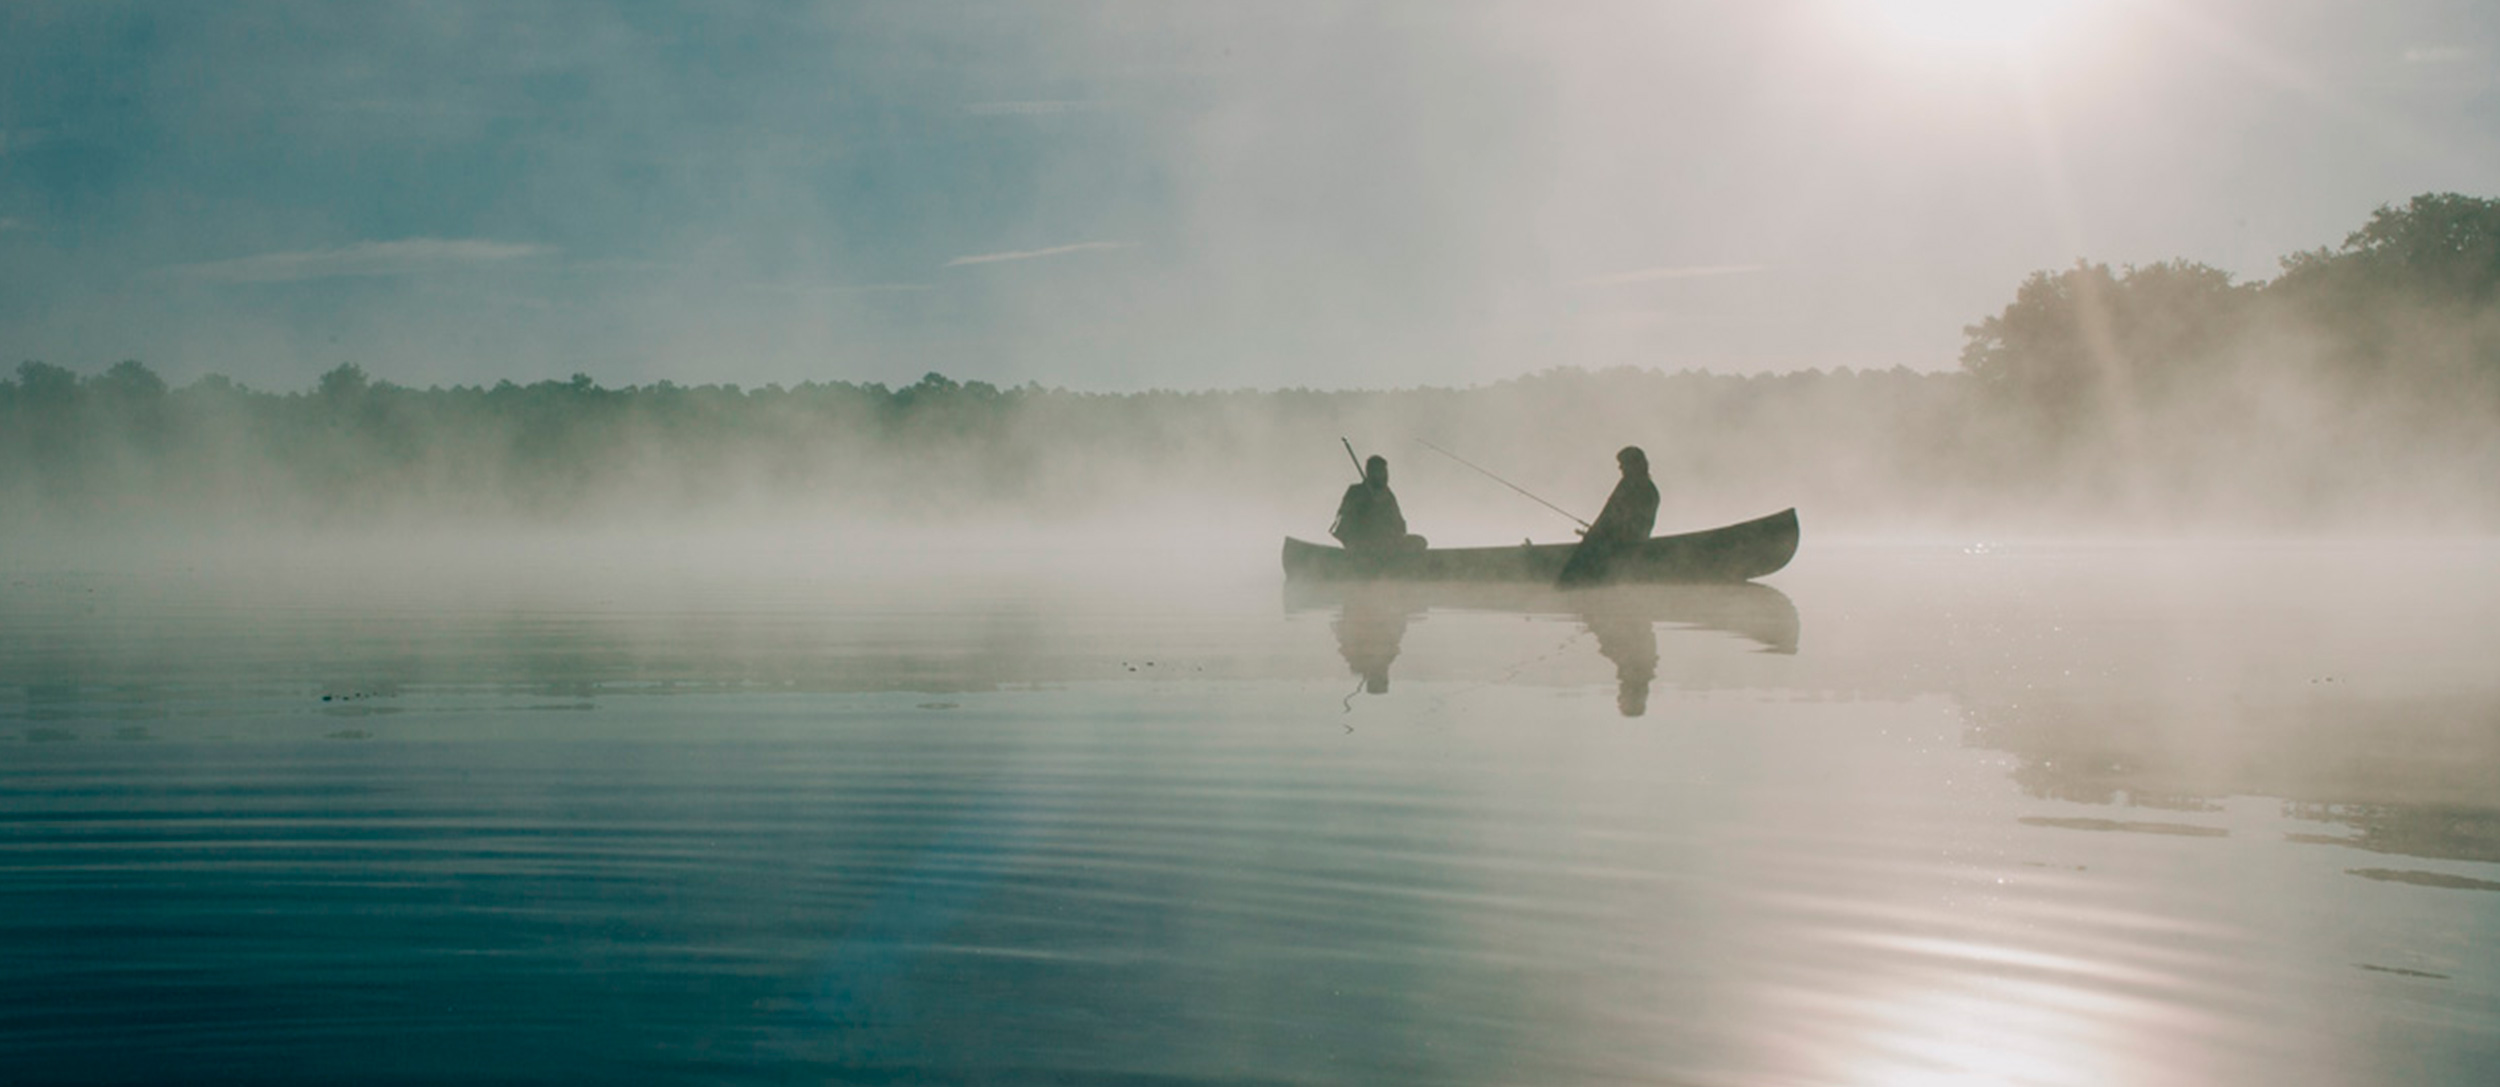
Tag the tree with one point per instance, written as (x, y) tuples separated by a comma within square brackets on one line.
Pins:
[(130, 383), (2409, 301), (45, 385), (2440, 248), (347, 382), (2084, 341)]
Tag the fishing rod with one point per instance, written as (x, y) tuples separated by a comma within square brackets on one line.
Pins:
[(1500, 480), (1358, 461)]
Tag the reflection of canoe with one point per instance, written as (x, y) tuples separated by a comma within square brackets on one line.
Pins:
[(1735, 553), (1759, 613)]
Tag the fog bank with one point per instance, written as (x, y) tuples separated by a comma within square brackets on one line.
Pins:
[(2357, 392)]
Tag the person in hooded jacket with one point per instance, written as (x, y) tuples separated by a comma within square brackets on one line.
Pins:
[(1620, 529)]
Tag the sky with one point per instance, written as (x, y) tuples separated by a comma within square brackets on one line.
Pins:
[(1134, 194)]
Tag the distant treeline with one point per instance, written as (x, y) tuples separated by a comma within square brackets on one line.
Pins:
[(2362, 384)]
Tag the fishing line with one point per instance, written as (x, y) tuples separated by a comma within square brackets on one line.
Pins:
[(1497, 479)]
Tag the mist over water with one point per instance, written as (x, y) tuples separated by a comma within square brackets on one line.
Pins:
[(1111, 809), (952, 733), (726, 544)]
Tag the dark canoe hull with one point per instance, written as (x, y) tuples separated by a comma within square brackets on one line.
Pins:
[(1739, 552)]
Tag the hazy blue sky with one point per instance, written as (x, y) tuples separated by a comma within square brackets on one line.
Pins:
[(1166, 193)]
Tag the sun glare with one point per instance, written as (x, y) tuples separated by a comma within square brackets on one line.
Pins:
[(1971, 23)]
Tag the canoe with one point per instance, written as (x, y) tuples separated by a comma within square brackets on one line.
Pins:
[(1738, 552)]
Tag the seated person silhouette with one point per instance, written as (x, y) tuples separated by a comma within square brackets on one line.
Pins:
[(1621, 528), (1368, 521)]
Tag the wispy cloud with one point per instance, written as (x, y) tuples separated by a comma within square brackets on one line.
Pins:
[(824, 289), (407, 256), (9, 224), (2441, 54), (1045, 107), (433, 106), (1031, 254), (25, 139), (621, 266), (1657, 275)]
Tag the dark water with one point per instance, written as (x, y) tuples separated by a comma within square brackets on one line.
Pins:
[(2114, 815)]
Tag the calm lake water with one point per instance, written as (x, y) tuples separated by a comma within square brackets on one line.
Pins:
[(2142, 815)]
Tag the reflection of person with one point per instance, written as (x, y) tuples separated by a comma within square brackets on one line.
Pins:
[(1368, 518), (1621, 527), (1626, 636), (1369, 630)]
